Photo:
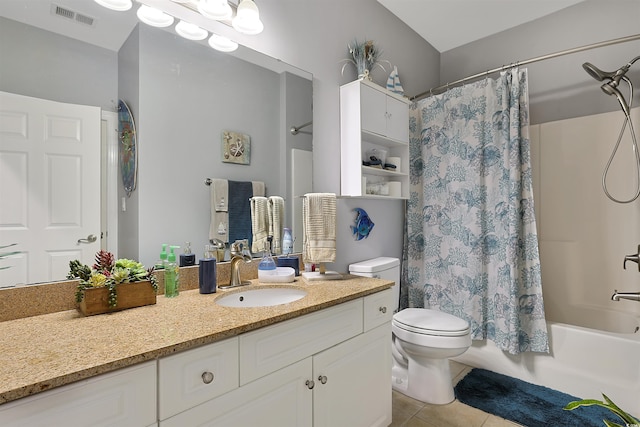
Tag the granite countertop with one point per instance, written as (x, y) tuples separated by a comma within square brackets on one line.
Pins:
[(42, 352)]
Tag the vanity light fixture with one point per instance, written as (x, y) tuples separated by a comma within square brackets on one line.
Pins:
[(215, 9), (119, 5), (154, 17), (191, 31), (222, 44), (247, 19)]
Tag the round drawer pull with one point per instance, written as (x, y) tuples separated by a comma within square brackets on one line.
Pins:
[(310, 384), (322, 379), (207, 377), (383, 310)]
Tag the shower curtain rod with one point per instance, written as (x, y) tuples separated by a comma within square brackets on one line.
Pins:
[(442, 88)]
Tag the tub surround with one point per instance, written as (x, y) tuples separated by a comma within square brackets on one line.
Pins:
[(41, 352)]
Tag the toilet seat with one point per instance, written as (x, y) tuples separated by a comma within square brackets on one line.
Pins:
[(425, 321)]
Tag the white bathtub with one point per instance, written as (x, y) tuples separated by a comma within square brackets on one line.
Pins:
[(583, 362)]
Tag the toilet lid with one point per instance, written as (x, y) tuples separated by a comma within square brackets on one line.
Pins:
[(430, 322)]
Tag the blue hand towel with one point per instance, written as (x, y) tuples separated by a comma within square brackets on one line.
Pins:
[(240, 193)]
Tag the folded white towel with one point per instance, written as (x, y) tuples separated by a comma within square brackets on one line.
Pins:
[(319, 226), (219, 227), (276, 222), (259, 223)]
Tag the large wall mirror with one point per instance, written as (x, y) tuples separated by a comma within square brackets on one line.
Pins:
[(182, 94)]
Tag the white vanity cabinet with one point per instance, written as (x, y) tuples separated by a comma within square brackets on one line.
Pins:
[(126, 397), (321, 369), (192, 377), (371, 117)]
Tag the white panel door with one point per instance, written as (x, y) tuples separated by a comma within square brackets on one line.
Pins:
[(49, 186)]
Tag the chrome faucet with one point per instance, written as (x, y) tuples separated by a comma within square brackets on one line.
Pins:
[(238, 253), (633, 296)]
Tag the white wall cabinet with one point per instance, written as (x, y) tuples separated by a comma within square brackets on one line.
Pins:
[(126, 397), (372, 117)]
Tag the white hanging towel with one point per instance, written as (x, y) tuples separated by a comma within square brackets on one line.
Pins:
[(219, 227), (259, 223), (393, 82), (319, 227), (276, 222)]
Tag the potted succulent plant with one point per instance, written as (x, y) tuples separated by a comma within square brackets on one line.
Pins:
[(628, 420), (112, 285)]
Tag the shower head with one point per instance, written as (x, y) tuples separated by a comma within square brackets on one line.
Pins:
[(597, 73), (611, 86)]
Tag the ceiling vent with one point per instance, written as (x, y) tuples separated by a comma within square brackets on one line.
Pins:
[(72, 15)]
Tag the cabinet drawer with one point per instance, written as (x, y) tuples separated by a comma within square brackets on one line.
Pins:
[(274, 347), (378, 309), (126, 397), (189, 378)]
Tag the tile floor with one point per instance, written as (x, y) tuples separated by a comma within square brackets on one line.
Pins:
[(408, 412)]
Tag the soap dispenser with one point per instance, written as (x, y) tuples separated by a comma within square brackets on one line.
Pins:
[(287, 248), (187, 258), (163, 258), (267, 265), (171, 270)]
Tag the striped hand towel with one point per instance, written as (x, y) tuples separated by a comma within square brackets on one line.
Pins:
[(259, 223), (276, 222), (319, 227)]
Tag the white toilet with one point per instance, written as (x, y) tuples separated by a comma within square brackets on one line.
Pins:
[(423, 340)]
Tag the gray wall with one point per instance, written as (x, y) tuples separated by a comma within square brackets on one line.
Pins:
[(559, 88), (44, 65)]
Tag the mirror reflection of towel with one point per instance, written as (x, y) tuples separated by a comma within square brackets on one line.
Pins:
[(276, 222), (319, 226), (240, 194), (259, 223), (219, 206)]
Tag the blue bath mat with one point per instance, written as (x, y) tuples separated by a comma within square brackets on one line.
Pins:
[(524, 403)]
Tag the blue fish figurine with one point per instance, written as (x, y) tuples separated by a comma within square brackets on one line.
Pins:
[(363, 226)]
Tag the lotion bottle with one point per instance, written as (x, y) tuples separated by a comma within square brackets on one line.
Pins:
[(171, 270)]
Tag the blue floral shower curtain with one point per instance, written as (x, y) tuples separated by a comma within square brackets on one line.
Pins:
[(471, 246)]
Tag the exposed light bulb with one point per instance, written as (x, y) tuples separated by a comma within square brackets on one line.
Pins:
[(247, 19), (191, 31), (222, 44), (154, 17), (215, 9), (119, 5)]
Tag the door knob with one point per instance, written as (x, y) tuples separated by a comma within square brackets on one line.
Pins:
[(310, 384), (90, 239)]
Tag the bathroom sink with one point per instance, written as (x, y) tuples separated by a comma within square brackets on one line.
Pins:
[(261, 297)]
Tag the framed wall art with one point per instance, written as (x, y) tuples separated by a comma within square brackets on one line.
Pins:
[(236, 148)]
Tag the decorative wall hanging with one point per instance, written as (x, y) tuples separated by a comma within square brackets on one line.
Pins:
[(236, 148), (363, 225), (127, 147)]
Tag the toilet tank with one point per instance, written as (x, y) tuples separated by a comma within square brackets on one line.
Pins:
[(381, 268)]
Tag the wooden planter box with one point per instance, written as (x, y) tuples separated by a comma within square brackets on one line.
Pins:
[(130, 295)]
